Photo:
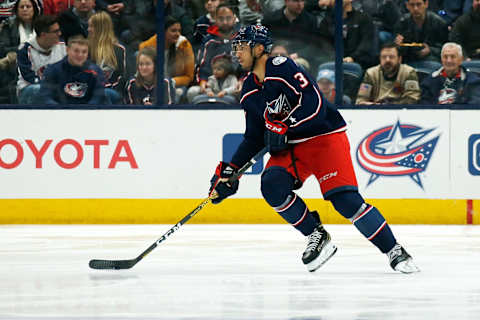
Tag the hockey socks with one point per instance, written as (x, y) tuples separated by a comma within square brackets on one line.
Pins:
[(295, 212), (370, 222)]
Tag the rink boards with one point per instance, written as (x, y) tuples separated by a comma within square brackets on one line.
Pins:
[(154, 166)]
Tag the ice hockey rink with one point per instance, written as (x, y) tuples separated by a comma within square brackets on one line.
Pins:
[(232, 272)]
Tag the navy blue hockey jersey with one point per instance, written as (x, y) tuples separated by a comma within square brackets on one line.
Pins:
[(291, 95)]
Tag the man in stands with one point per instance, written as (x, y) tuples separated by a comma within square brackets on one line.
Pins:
[(390, 82), (75, 20), (35, 55), (74, 79), (452, 84), (465, 32), (420, 27)]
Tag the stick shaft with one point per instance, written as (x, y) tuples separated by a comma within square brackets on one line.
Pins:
[(127, 264)]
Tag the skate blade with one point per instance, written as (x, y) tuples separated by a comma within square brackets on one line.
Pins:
[(327, 252), (407, 266)]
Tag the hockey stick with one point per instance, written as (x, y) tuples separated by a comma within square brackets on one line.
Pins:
[(127, 264)]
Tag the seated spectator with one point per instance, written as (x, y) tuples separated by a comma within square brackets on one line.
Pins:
[(221, 85), (179, 59), (74, 79), (117, 10), (204, 22), (390, 82), (291, 21), (420, 34), (74, 21), (218, 42), (35, 55), (56, 7), (12, 35), (141, 90), (465, 32), (108, 54), (452, 84), (359, 38), (179, 13), (326, 84)]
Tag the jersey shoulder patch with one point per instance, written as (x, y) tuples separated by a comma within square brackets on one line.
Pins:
[(278, 60)]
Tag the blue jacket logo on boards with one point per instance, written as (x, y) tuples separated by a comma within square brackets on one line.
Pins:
[(231, 141), (397, 150), (474, 154)]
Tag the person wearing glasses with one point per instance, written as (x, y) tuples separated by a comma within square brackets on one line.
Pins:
[(35, 55)]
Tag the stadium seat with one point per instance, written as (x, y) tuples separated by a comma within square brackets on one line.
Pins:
[(473, 65), (352, 77)]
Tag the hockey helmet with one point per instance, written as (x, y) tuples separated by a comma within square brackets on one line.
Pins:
[(252, 35)]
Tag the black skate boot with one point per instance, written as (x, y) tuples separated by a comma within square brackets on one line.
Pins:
[(401, 261), (319, 249)]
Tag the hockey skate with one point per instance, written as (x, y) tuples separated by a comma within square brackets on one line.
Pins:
[(401, 261), (319, 249)]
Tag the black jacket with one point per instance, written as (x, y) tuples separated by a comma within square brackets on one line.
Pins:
[(71, 25), (465, 32), (434, 32)]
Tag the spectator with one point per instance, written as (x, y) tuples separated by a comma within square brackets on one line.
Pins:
[(420, 27), (452, 84), (390, 82), (179, 60), (221, 84), (108, 54), (35, 55), (204, 22), (56, 7), (218, 42), (141, 90), (291, 20), (455, 8), (186, 21), (326, 84), (359, 37), (74, 79), (12, 35), (7, 12), (465, 32), (74, 21), (117, 10)]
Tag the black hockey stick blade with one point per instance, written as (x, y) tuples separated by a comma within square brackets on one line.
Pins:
[(111, 264), (127, 264)]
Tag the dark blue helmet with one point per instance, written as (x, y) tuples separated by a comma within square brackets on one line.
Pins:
[(252, 35)]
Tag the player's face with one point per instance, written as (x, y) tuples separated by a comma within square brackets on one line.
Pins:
[(172, 33), (25, 10), (146, 66), (389, 60), (77, 54), (243, 53), (451, 60), (417, 8)]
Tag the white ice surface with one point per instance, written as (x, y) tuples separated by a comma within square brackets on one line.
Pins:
[(234, 272)]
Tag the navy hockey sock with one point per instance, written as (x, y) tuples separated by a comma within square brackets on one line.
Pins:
[(295, 211), (370, 222)]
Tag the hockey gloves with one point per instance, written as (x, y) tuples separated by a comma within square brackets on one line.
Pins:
[(275, 137), (220, 184)]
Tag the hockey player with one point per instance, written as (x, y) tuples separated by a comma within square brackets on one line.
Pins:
[(305, 136)]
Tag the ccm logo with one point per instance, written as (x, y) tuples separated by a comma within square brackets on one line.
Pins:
[(273, 128), (67, 153), (327, 176), (474, 154)]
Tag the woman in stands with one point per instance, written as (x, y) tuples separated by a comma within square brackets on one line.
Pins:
[(108, 54), (179, 58), (13, 34), (141, 89)]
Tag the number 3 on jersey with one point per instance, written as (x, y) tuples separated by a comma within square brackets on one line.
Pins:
[(301, 78)]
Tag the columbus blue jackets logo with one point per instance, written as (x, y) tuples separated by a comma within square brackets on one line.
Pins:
[(76, 89), (397, 150), (279, 107)]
